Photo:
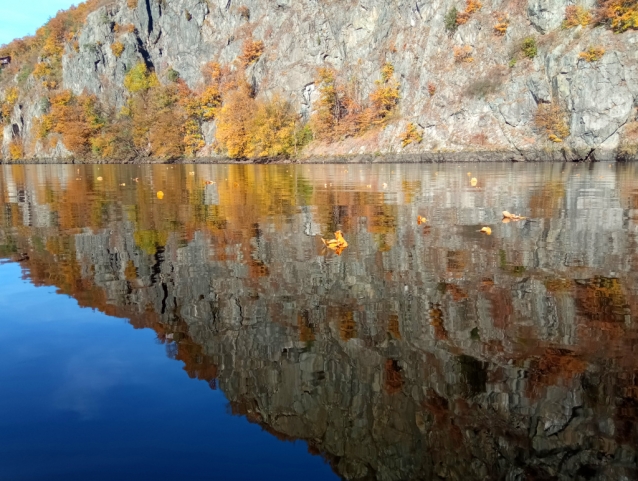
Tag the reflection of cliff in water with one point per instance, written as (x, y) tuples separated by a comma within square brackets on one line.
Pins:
[(420, 353)]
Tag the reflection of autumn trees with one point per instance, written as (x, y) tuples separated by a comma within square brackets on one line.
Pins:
[(553, 366), (601, 300), (393, 377), (547, 200), (442, 322)]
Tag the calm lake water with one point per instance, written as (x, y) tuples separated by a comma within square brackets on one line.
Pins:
[(186, 322)]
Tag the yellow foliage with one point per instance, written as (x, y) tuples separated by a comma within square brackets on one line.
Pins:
[(209, 102), (193, 140), (150, 240), (551, 118), (411, 135), (42, 69), (621, 15), (139, 79), (104, 145), (328, 109), (592, 54), (117, 48), (272, 131), (16, 151), (10, 99), (576, 15), (386, 96)]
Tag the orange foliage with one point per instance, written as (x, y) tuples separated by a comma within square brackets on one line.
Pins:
[(500, 29), (338, 112), (76, 119), (251, 52), (471, 6), (463, 54), (233, 121)]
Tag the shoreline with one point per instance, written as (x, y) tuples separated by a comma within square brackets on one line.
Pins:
[(387, 158)]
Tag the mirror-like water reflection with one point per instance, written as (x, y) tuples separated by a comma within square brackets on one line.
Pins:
[(423, 351)]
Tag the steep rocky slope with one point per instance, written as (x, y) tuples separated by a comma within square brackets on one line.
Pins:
[(465, 87)]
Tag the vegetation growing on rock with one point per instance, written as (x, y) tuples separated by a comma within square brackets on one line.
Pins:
[(102, 60)]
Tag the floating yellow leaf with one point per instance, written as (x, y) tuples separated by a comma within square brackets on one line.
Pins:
[(421, 220), (486, 230), (507, 215), (99, 179), (160, 195), (473, 182), (122, 184), (338, 244)]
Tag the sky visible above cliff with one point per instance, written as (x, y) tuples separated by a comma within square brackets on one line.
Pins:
[(20, 18)]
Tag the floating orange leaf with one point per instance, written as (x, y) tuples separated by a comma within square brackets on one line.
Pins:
[(421, 220), (160, 195)]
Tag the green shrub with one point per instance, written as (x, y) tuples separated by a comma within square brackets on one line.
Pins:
[(172, 75), (451, 23), (529, 48)]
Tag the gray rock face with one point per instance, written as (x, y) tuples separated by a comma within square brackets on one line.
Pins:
[(488, 104), (547, 15)]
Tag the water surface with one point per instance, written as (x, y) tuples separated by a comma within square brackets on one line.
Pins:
[(186, 322)]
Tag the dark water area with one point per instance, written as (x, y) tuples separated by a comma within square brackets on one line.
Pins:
[(187, 322)]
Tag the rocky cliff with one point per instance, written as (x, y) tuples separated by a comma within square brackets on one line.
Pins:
[(468, 84)]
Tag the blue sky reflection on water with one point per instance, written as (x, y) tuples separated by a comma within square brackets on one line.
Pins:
[(85, 396)]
